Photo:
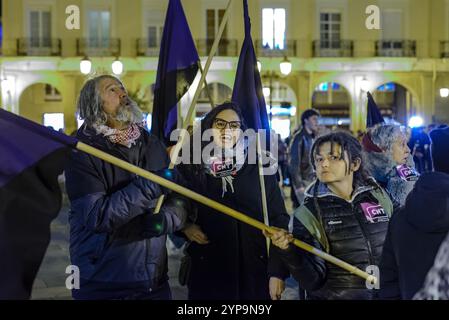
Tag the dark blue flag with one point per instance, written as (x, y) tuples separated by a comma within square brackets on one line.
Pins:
[(248, 92), (373, 115), (31, 158), (177, 68)]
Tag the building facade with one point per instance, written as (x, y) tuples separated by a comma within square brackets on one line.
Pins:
[(336, 57)]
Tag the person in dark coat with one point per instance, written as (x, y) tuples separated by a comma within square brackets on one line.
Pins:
[(346, 214), (419, 228), (436, 286), (116, 241), (419, 145), (299, 166), (229, 258), (282, 161), (389, 160)]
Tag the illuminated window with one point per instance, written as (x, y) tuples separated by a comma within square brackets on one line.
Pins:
[(54, 120), (273, 28)]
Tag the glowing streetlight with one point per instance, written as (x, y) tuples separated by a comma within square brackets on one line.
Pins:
[(444, 92), (415, 122), (266, 92), (85, 66), (364, 84), (285, 66), (117, 67)]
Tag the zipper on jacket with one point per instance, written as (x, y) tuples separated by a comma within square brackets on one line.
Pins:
[(368, 244)]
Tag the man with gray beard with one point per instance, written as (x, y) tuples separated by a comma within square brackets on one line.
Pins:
[(116, 240)]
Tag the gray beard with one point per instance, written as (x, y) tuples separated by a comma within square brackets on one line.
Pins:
[(129, 113)]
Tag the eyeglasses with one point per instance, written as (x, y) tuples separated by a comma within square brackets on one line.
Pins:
[(221, 124)]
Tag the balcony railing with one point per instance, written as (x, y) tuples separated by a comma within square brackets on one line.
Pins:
[(109, 47), (145, 48), (396, 48), (444, 49), (226, 47), (38, 47), (333, 48), (264, 49)]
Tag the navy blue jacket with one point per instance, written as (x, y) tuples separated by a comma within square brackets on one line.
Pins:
[(116, 241), (414, 236)]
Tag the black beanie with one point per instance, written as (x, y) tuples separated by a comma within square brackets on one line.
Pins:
[(440, 149)]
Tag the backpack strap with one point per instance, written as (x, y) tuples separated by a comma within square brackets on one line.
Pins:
[(384, 200), (311, 223)]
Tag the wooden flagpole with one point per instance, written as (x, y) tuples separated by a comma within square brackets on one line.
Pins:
[(189, 117), (262, 189), (217, 206)]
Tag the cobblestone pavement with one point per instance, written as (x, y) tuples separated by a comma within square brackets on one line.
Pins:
[(51, 278)]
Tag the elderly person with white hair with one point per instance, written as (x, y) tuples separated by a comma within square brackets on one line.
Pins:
[(389, 160), (116, 241)]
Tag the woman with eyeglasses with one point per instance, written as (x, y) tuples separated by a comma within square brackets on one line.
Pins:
[(228, 258)]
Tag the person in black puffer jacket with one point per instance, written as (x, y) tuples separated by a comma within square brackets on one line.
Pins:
[(345, 213)]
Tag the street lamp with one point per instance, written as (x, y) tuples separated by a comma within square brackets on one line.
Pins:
[(117, 67), (85, 66), (285, 66), (415, 122), (364, 84), (266, 92), (444, 92)]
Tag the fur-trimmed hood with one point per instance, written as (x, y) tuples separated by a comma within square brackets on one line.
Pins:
[(383, 168)]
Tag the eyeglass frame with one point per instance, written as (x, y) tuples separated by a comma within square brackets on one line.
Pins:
[(228, 124)]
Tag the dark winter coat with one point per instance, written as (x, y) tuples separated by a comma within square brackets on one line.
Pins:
[(351, 236), (436, 286), (115, 239), (234, 263), (300, 167), (414, 236)]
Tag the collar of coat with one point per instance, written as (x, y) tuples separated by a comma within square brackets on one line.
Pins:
[(324, 191)]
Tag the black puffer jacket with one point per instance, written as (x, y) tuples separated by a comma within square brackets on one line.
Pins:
[(351, 236)]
